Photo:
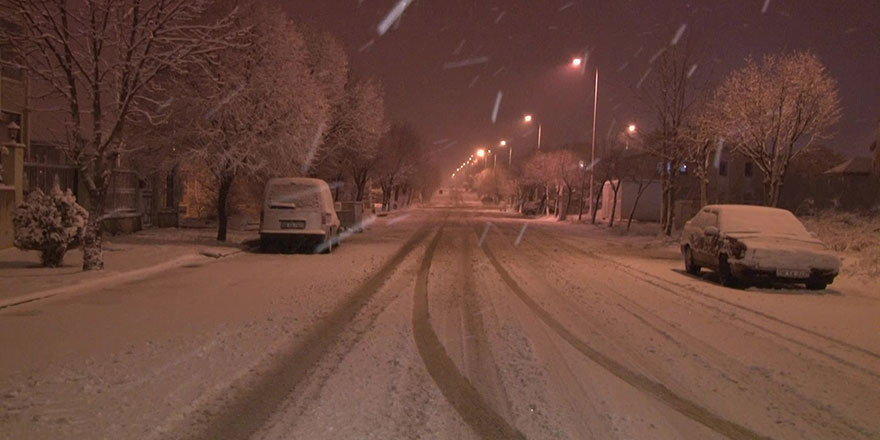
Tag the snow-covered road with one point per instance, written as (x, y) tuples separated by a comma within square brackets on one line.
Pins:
[(446, 322)]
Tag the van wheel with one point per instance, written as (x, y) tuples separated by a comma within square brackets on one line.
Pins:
[(816, 285), (264, 245), (325, 246)]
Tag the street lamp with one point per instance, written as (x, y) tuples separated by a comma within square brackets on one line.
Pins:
[(481, 153), (577, 62), (503, 143), (13, 131), (528, 120), (630, 131)]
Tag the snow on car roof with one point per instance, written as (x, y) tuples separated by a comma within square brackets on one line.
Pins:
[(758, 219)]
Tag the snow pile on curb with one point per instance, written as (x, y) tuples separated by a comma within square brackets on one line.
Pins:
[(850, 234)]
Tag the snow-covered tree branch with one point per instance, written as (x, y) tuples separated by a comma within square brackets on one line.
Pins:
[(102, 58)]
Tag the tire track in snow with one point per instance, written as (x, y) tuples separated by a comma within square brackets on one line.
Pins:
[(682, 405), (457, 389), (820, 406), (659, 283), (244, 415), (479, 359)]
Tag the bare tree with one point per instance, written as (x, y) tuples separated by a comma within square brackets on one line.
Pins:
[(641, 170), (701, 142), (609, 170), (671, 95), (257, 111), (102, 58), (353, 140), (398, 154), (565, 171), (538, 172), (770, 112)]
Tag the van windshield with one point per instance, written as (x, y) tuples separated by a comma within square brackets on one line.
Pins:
[(297, 194)]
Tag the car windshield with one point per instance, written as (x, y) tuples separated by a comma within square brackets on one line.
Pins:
[(298, 194), (762, 221)]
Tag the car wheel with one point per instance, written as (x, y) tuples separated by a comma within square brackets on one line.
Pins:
[(265, 245), (725, 275), (689, 265), (325, 246), (816, 285)]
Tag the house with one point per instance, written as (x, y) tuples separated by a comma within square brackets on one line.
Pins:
[(638, 189), (853, 185), (641, 200), (733, 178)]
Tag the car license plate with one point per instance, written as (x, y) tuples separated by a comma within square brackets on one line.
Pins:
[(792, 273), (293, 224)]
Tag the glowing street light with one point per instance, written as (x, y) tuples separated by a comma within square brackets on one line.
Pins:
[(528, 120), (503, 143), (481, 153), (631, 128), (576, 62)]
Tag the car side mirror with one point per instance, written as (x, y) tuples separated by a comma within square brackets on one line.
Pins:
[(711, 231)]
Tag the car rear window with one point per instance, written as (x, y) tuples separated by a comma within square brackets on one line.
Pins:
[(302, 196)]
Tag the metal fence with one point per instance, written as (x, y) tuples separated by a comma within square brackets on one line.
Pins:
[(42, 176), (122, 193)]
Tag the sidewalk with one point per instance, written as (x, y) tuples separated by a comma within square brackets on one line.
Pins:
[(125, 256)]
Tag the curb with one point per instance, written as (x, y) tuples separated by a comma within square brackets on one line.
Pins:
[(220, 253), (111, 279)]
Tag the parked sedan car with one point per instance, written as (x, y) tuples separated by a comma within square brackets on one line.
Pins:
[(756, 243)]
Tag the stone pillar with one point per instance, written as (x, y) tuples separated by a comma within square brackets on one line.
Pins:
[(11, 190)]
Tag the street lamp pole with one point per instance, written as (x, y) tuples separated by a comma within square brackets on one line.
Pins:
[(593, 142), (528, 119), (539, 135)]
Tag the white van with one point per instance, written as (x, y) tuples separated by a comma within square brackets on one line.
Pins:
[(298, 213)]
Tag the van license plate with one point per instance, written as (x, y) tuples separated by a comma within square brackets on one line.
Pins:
[(790, 273), (293, 224)]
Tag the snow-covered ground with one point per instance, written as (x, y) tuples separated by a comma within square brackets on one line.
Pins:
[(452, 322)]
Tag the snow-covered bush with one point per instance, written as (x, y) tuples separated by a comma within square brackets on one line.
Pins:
[(50, 223), (853, 234)]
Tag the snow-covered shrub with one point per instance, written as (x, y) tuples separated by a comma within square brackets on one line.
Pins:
[(50, 223), (853, 234)]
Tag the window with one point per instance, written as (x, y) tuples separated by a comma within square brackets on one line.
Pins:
[(750, 170), (722, 168)]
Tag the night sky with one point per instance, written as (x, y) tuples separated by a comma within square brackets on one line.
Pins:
[(529, 44)]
